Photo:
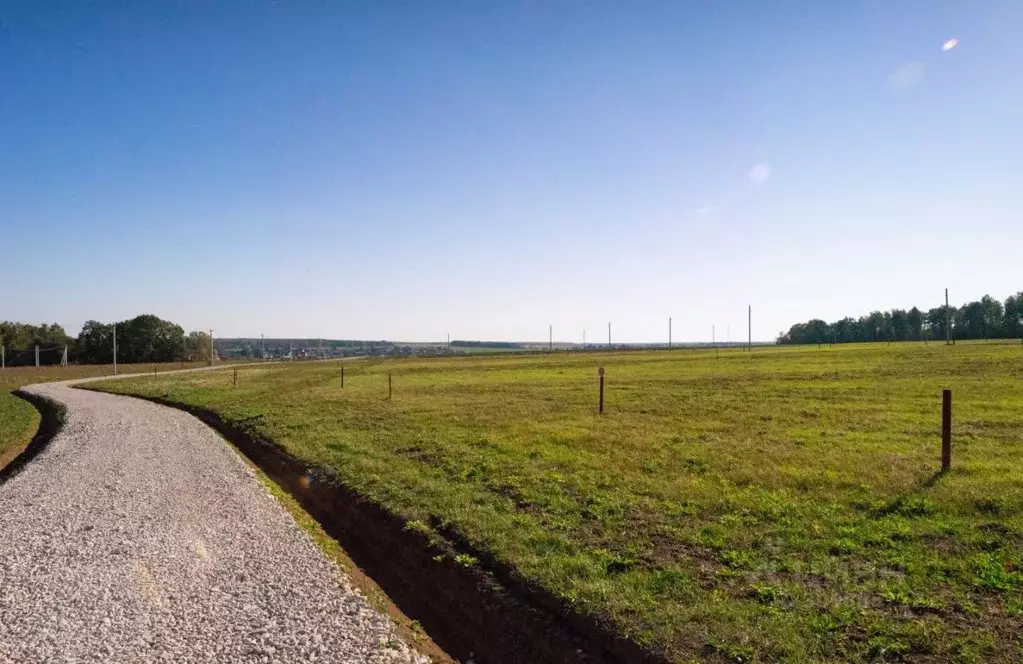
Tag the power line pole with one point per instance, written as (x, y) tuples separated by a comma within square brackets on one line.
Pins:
[(211, 348), (584, 338), (37, 355), (115, 349), (550, 341), (749, 313), (291, 351), (609, 336), (262, 347), (948, 322), (669, 332)]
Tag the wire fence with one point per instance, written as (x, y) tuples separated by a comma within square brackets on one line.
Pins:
[(39, 356)]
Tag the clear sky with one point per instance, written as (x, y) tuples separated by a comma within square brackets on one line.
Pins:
[(405, 170)]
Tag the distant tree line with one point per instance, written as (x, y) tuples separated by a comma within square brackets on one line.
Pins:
[(145, 338), (986, 318)]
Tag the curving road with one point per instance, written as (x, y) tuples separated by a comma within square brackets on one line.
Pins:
[(138, 535)]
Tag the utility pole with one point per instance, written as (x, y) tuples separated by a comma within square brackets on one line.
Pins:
[(63, 358), (115, 349), (37, 355), (669, 332), (749, 313), (584, 338), (211, 348), (291, 351), (262, 348), (948, 322), (609, 336), (3, 357), (550, 341)]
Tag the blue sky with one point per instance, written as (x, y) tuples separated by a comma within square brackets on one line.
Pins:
[(485, 169)]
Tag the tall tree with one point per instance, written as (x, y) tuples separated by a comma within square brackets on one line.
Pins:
[(1012, 316), (915, 320)]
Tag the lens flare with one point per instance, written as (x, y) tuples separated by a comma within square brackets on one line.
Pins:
[(950, 44)]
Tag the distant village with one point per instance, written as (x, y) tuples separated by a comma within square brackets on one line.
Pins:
[(321, 349)]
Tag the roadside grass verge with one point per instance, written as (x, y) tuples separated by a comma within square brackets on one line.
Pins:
[(779, 505)]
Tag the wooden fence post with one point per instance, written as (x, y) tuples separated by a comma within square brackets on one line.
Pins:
[(946, 430)]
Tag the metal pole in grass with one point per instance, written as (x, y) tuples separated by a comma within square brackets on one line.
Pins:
[(600, 406), (946, 430), (948, 322)]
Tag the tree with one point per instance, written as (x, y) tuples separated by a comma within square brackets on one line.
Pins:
[(986, 318), (145, 338), (992, 317), (915, 321), (95, 343), (969, 321), (899, 325), (197, 347), (1012, 316)]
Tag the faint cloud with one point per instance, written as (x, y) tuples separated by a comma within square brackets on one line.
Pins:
[(906, 76), (707, 210), (759, 173)]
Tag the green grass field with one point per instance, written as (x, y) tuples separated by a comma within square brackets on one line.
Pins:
[(779, 505), (19, 420)]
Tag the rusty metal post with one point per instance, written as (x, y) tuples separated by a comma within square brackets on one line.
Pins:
[(600, 407), (946, 430)]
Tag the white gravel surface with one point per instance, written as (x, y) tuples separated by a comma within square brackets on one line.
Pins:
[(138, 535)]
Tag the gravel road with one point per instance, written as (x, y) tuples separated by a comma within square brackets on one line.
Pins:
[(138, 535)]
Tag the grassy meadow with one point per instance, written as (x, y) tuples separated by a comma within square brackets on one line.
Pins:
[(779, 505), (19, 420)]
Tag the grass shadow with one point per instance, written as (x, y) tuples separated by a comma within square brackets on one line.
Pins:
[(51, 420)]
